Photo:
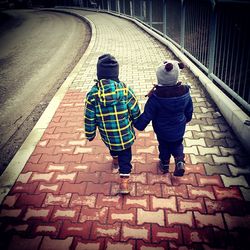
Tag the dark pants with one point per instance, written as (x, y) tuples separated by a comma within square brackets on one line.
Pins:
[(167, 149), (124, 160)]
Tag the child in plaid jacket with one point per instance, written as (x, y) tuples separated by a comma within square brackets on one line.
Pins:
[(112, 107)]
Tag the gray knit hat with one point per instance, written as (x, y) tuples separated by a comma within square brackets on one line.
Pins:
[(107, 67), (168, 73)]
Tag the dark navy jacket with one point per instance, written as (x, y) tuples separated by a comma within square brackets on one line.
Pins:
[(169, 109)]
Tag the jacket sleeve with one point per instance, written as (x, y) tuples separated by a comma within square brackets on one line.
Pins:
[(147, 115), (89, 119), (189, 110), (133, 107)]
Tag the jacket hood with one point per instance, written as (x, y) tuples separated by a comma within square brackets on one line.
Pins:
[(173, 104), (109, 92)]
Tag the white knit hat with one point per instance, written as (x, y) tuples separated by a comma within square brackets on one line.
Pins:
[(168, 73)]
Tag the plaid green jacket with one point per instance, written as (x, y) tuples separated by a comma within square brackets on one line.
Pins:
[(112, 108)]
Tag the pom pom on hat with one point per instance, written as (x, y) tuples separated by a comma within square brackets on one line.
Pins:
[(169, 66), (181, 65), (168, 73)]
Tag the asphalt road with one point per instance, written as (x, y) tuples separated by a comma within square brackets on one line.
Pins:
[(38, 49)]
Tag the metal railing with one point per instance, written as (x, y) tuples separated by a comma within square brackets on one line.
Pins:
[(213, 34)]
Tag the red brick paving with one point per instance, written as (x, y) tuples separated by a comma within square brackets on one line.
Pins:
[(62, 199)]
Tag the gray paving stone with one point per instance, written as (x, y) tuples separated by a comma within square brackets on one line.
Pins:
[(204, 115), (200, 99), (188, 134), (207, 110), (191, 127), (197, 135), (229, 151), (219, 135), (238, 171), (197, 109), (201, 159), (246, 193), (218, 115), (191, 150), (217, 169), (224, 160), (218, 142), (210, 128), (209, 150), (195, 121), (234, 181), (215, 120), (202, 104), (224, 127)]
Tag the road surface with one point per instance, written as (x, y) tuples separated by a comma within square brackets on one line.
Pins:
[(38, 49)]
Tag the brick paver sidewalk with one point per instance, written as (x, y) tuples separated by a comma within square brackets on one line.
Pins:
[(65, 197)]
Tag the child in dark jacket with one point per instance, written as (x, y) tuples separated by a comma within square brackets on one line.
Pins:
[(111, 106), (170, 108)]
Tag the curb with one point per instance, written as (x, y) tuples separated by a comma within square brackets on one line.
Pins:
[(11, 173)]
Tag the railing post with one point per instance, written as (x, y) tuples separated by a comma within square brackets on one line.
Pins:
[(118, 6), (144, 10), (108, 5), (124, 7), (212, 40), (183, 16), (141, 10), (164, 17), (150, 13), (131, 7)]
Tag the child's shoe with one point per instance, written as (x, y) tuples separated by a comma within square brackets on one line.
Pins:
[(164, 167), (124, 186), (179, 168)]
